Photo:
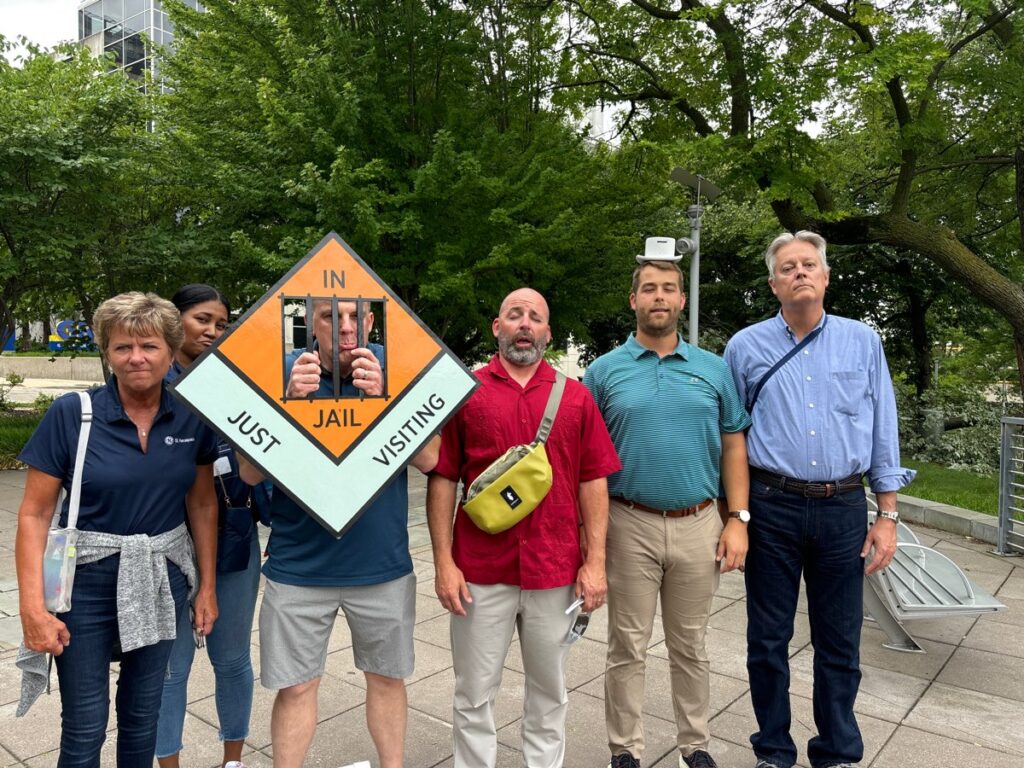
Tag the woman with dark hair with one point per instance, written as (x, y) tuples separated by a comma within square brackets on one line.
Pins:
[(148, 463), (204, 315)]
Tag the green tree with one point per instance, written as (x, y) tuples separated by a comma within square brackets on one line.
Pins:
[(421, 133), (899, 125), (82, 215)]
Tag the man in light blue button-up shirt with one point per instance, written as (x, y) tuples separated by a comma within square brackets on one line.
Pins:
[(822, 420)]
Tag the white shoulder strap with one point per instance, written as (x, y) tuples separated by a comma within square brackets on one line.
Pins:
[(83, 443)]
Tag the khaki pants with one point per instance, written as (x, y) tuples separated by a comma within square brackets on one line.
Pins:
[(480, 642), (648, 556)]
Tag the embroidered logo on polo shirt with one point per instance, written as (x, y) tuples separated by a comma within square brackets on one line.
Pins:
[(511, 497), (178, 440)]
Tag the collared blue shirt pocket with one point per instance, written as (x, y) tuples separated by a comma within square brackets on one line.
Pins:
[(850, 393)]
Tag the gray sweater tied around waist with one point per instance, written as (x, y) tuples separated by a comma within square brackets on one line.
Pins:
[(145, 605)]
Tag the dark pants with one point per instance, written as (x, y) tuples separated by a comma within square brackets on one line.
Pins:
[(822, 538), (83, 670)]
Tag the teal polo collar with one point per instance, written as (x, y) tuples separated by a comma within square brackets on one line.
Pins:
[(637, 350)]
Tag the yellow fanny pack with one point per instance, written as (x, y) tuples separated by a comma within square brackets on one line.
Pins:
[(514, 484)]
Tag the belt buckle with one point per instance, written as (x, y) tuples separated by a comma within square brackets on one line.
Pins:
[(817, 490)]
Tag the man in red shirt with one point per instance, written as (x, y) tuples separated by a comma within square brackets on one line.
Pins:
[(525, 578)]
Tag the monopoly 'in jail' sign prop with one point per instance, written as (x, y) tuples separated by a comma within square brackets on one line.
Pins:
[(331, 453)]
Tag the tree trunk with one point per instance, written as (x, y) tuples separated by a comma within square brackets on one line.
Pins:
[(25, 341), (1018, 346)]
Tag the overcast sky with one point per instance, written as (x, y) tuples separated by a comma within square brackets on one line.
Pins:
[(46, 22)]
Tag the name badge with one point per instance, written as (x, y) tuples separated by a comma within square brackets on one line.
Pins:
[(222, 466)]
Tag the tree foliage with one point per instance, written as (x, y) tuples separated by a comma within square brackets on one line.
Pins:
[(76, 220), (897, 124), (418, 131)]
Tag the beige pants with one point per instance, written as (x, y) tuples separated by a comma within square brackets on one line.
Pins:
[(648, 556), (480, 642)]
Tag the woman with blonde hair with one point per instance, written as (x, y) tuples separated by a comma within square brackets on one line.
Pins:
[(148, 464)]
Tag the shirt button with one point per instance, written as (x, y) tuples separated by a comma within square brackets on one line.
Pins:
[(814, 463), (806, 352), (810, 405), (812, 431), (523, 420), (808, 378)]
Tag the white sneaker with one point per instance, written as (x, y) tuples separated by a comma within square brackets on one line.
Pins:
[(234, 764)]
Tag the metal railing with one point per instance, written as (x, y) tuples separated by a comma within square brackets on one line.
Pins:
[(1011, 487)]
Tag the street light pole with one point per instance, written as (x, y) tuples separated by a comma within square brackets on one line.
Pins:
[(694, 213), (691, 245)]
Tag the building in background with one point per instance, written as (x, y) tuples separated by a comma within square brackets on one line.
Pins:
[(129, 29)]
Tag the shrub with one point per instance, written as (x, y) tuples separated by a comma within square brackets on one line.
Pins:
[(16, 427), (973, 448)]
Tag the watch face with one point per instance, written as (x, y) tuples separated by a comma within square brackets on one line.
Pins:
[(744, 516)]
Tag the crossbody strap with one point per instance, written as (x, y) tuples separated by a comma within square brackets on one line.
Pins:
[(782, 361), (83, 444), (551, 408)]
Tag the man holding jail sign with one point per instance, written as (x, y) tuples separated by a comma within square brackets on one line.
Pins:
[(357, 362), (367, 573)]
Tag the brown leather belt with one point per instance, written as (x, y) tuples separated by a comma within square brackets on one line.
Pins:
[(807, 489), (684, 512)]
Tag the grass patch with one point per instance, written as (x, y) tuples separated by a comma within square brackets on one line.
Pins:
[(15, 429), (952, 486)]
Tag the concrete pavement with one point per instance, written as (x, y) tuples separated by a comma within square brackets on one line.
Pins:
[(960, 704), (30, 389)]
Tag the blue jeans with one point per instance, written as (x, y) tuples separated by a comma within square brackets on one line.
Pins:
[(228, 646), (822, 538), (83, 672)]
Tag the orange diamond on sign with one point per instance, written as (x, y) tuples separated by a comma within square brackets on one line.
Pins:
[(334, 450), (331, 271)]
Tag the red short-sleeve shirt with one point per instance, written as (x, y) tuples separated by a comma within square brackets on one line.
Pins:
[(542, 551)]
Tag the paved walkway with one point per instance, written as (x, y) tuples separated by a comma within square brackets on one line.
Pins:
[(962, 703), (30, 389)]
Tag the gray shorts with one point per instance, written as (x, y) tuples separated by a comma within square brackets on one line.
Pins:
[(296, 624)]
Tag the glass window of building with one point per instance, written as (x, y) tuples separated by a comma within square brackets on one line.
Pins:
[(113, 34), (136, 23), (90, 20), (132, 7), (118, 50), (134, 49), (137, 69), (113, 12)]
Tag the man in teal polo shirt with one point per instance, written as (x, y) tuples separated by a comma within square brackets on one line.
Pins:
[(677, 423)]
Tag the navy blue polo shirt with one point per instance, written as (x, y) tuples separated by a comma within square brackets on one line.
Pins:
[(124, 491), (374, 550)]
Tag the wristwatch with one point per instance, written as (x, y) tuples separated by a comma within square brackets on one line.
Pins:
[(886, 514), (742, 515)]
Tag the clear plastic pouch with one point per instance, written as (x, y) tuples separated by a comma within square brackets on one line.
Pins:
[(59, 561)]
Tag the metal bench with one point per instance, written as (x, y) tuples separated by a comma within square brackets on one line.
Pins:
[(920, 583)]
